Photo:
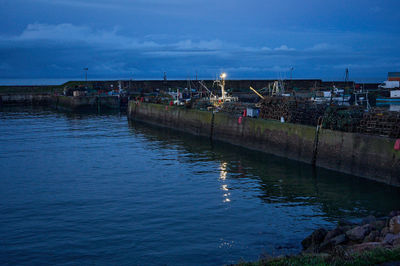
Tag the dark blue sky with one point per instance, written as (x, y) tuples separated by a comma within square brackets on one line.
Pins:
[(56, 39)]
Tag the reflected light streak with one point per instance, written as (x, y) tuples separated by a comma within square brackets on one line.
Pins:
[(223, 172)]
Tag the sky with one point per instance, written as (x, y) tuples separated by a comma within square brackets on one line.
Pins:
[(248, 39)]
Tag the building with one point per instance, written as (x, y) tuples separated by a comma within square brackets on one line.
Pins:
[(394, 76)]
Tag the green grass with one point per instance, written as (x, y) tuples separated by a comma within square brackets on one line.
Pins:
[(373, 257)]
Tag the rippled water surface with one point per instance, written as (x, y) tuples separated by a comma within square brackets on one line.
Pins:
[(95, 189)]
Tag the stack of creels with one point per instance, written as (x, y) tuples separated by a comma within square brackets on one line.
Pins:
[(293, 110), (236, 108), (277, 107), (381, 122), (307, 112), (343, 118)]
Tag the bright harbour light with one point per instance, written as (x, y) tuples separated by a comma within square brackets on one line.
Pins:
[(223, 75)]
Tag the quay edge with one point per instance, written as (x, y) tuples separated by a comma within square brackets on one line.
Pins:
[(67, 103), (366, 156)]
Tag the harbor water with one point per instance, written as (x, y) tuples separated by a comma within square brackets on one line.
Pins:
[(80, 188)]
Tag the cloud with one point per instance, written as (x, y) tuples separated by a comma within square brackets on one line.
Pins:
[(112, 51), (284, 47), (69, 33), (264, 48), (111, 40), (321, 47), (207, 45)]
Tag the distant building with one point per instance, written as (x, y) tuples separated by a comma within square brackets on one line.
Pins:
[(394, 76)]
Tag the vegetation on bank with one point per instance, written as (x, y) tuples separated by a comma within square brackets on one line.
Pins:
[(372, 257)]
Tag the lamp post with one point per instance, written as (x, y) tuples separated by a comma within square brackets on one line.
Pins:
[(291, 73), (223, 76), (86, 70)]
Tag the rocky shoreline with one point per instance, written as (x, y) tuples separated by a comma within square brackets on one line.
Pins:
[(373, 241), (348, 238)]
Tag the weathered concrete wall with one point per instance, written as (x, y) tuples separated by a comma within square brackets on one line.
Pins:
[(25, 99), (371, 157), (62, 102), (192, 121), (86, 102), (282, 139)]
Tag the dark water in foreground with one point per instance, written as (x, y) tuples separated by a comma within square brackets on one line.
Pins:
[(94, 189)]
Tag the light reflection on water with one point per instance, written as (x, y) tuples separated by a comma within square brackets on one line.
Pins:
[(95, 189)]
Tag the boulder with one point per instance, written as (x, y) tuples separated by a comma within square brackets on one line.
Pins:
[(378, 224), (313, 241), (396, 242), (394, 225), (365, 247), (391, 238), (334, 233), (384, 231), (340, 239), (372, 237), (394, 213), (333, 242), (359, 232)]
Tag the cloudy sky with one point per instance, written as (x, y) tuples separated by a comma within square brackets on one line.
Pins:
[(140, 39)]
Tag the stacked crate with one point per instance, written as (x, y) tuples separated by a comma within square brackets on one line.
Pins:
[(381, 122), (293, 110), (343, 118), (277, 107), (236, 108)]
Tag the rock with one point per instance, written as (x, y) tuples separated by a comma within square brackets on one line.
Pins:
[(313, 241), (384, 231), (378, 225), (359, 232), (345, 228), (330, 244), (331, 234), (394, 213), (368, 220), (396, 242), (391, 238), (372, 237), (394, 225), (365, 246), (340, 239)]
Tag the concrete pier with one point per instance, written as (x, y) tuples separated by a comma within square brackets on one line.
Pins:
[(86, 102), (68, 103), (371, 157)]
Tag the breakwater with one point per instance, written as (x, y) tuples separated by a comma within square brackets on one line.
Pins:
[(87, 102), (26, 99), (68, 103), (371, 157)]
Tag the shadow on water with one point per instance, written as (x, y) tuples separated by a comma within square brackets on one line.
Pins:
[(284, 181)]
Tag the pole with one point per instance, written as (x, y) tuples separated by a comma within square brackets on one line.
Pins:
[(86, 70)]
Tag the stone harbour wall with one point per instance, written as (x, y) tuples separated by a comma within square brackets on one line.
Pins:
[(371, 157)]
